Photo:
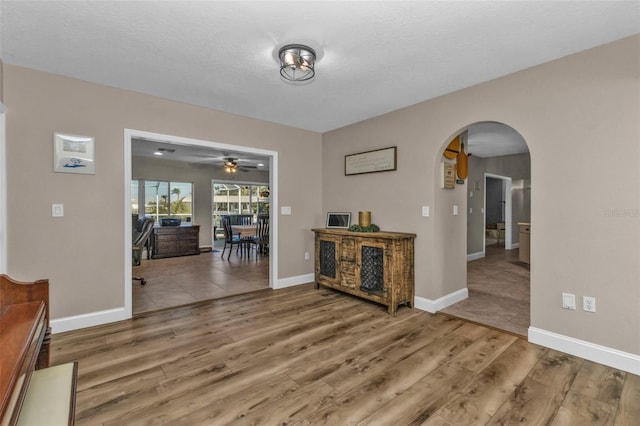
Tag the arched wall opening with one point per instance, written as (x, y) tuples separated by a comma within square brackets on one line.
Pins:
[(497, 150)]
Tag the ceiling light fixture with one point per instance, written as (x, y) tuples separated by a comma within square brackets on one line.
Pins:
[(297, 62), (230, 166), (161, 151)]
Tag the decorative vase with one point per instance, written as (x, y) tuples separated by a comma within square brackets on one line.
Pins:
[(364, 218)]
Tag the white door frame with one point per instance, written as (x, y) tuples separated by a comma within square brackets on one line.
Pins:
[(3, 194), (507, 210), (129, 134)]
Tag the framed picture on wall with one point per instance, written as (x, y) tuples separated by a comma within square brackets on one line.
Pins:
[(338, 220), (379, 160), (73, 154)]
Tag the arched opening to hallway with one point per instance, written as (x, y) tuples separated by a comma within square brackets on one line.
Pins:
[(498, 201)]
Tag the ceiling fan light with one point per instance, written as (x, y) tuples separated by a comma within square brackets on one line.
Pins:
[(297, 62)]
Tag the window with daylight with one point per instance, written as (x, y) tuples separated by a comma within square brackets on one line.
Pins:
[(162, 199)]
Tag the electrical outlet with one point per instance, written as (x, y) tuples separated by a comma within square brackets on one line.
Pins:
[(589, 304)]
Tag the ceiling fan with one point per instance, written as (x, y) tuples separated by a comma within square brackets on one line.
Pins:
[(230, 165)]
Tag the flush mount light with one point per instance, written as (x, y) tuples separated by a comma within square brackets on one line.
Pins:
[(297, 62)]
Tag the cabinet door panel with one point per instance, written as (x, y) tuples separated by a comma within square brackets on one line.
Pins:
[(327, 260), (373, 267)]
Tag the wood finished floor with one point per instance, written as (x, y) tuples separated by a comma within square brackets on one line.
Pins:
[(499, 292), (300, 356), (184, 280)]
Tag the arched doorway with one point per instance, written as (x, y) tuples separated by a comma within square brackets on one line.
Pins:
[(498, 194)]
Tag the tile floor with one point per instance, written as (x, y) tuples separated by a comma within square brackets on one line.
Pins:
[(184, 280), (499, 292)]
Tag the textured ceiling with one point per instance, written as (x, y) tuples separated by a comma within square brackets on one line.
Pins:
[(374, 57)]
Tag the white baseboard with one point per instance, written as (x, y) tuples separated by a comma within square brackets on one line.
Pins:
[(434, 306), (76, 322), (293, 281), (91, 319), (601, 354), (514, 246), (475, 256)]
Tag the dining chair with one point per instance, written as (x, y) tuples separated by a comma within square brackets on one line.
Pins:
[(231, 239), (261, 239)]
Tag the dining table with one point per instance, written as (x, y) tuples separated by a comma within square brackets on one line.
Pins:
[(245, 231)]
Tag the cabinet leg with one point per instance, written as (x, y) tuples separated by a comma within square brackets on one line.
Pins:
[(317, 285)]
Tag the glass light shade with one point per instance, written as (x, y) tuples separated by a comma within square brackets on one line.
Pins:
[(297, 62)]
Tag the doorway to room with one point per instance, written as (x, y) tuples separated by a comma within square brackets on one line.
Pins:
[(498, 198), (185, 279), (498, 213)]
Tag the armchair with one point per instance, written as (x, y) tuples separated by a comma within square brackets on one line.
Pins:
[(141, 234)]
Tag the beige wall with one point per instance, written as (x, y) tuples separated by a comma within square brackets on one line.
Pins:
[(198, 174), (475, 220), (83, 253), (579, 117), (1, 82)]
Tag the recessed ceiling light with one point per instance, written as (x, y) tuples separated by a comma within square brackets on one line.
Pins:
[(161, 151), (260, 165)]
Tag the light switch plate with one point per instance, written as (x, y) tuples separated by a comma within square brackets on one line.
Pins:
[(285, 210), (569, 301), (455, 210), (425, 211), (57, 210)]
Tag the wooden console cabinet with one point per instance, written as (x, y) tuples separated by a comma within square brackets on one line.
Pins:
[(376, 266), (172, 241)]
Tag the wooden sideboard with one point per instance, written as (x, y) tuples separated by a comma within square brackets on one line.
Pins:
[(172, 241), (377, 266)]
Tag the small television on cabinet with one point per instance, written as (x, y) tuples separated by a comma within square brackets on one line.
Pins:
[(338, 220)]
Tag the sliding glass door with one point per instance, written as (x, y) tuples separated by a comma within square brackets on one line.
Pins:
[(236, 198)]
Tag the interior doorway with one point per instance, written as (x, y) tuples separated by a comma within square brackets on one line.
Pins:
[(498, 225), (202, 268), (498, 283)]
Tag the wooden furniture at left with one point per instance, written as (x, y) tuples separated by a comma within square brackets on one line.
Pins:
[(14, 292), (22, 331), (31, 392), (25, 338)]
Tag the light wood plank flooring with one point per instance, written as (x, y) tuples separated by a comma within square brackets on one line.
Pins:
[(305, 356)]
